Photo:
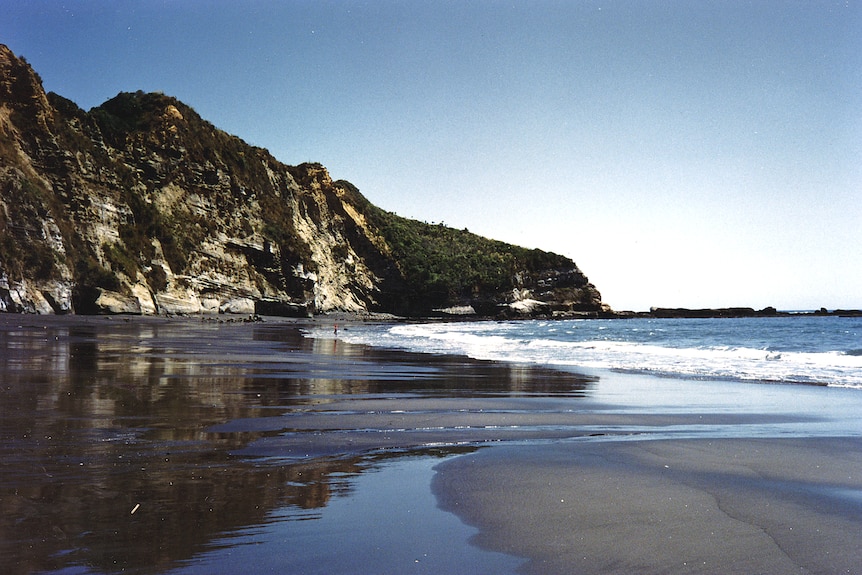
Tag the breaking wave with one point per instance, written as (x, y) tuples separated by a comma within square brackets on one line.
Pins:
[(816, 351)]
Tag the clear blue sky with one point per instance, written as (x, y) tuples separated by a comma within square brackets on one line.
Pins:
[(683, 153)]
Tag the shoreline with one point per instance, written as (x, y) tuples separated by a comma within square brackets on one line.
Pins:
[(466, 313)]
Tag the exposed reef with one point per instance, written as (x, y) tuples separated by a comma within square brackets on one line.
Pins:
[(729, 312)]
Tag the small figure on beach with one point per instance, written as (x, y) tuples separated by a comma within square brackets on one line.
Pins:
[(335, 329)]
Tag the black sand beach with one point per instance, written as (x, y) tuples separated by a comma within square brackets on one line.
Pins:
[(666, 506), (154, 445)]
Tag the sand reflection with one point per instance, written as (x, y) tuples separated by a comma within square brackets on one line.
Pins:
[(135, 445)]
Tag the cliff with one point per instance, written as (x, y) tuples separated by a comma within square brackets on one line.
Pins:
[(141, 206)]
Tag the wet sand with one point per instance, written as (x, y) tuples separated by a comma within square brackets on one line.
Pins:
[(739, 478), (667, 506), (183, 445), (180, 446)]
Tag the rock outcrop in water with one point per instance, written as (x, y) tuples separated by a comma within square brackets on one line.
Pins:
[(140, 206)]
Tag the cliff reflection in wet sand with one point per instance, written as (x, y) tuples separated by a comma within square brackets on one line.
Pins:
[(135, 445)]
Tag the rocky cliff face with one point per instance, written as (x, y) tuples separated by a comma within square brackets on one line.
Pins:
[(141, 206)]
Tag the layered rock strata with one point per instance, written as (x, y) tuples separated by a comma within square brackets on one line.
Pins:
[(140, 206)]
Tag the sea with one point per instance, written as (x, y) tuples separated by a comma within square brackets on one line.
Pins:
[(794, 349)]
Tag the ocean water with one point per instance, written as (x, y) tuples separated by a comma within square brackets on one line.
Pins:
[(814, 350)]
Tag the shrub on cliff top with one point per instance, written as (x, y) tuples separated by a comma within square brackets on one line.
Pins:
[(442, 265)]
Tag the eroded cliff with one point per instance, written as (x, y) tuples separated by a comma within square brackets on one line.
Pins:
[(141, 206)]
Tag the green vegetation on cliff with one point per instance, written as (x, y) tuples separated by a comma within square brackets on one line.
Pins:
[(443, 266)]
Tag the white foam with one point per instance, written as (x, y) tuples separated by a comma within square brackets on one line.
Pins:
[(529, 344)]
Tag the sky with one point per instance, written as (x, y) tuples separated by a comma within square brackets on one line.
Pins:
[(682, 153)]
